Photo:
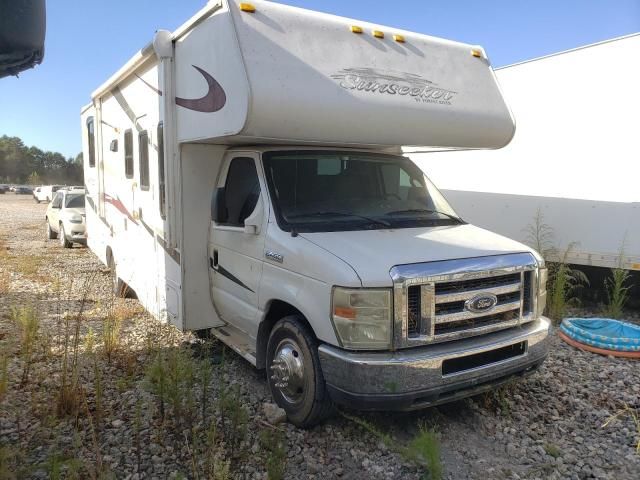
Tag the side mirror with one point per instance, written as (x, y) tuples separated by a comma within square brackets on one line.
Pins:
[(218, 205)]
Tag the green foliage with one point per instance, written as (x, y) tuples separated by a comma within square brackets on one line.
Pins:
[(19, 162), (34, 179), (540, 236), (425, 448), (234, 418), (552, 450), (29, 322), (617, 289), (563, 285), (273, 443)]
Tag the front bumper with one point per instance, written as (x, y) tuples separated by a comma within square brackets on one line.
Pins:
[(76, 232), (424, 376)]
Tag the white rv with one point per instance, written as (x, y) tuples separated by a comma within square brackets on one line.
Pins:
[(243, 175)]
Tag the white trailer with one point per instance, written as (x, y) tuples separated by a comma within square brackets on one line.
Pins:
[(575, 156), (243, 176)]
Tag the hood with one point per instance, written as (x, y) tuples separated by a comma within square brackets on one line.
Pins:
[(372, 253), (69, 212)]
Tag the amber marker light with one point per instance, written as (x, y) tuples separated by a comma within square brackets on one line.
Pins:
[(356, 29), (399, 38), (345, 312), (378, 34), (247, 7)]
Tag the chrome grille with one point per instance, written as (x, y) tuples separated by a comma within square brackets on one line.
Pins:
[(413, 309), (431, 299)]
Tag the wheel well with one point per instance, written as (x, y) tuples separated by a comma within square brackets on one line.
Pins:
[(277, 309)]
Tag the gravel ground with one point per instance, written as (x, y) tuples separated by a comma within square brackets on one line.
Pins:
[(547, 426)]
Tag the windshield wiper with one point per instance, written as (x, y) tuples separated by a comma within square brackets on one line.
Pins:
[(341, 214), (424, 210)]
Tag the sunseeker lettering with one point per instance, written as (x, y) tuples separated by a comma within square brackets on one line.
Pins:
[(401, 84)]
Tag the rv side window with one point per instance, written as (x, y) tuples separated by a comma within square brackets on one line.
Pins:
[(161, 187), (143, 158), (242, 191), (92, 142), (128, 153)]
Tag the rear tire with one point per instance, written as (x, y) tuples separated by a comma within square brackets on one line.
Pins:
[(118, 287), (62, 236), (294, 373), (51, 235)]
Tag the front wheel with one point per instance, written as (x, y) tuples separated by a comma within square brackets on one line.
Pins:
[(62, 236), (294, 373), (51, 235)]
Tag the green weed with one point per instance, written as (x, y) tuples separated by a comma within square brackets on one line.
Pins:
[(564, 281), (273, 443), (27, 319), (617, 289), (425, 448)]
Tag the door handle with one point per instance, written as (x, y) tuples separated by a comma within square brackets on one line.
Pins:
[(213, 261)]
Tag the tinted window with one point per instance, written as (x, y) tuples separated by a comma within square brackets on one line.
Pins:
[(242, 190), (161, 187), (92, 142), (74, 201), (143, 158), (57, 201), (128, 154)]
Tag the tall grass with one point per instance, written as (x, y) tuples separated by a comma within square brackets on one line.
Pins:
[(564, 280), (564, 283), (617, 288), (28, 321)]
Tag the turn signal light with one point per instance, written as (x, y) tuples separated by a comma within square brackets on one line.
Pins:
[(476, 52), (247, 7), (345, 312)]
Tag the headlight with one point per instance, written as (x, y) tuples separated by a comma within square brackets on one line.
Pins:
[(362, 318), (543, 274), (75, 219)]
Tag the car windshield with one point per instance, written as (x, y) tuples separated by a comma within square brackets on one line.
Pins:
[(74, 201), (331, 191)]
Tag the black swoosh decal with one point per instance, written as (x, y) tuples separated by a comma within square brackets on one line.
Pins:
[(227, 274), (213, 101)]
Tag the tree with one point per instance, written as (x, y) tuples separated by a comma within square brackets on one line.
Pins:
[(19, 164), (34, 179)]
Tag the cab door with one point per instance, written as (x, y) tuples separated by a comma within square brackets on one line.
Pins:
[(236, 242), (54, 211)]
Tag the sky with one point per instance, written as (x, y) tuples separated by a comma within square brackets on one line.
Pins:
[(88, 41)]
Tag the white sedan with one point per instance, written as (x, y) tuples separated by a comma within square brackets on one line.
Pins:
[(66, 219)]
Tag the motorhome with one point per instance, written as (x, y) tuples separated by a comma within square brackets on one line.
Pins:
[(244, 177)]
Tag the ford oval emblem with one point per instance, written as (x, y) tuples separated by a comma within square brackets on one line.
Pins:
[(481, 303)]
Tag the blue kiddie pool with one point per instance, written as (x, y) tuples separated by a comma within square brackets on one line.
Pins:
[(602, 335)]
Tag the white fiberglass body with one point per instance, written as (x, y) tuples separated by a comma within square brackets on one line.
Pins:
[(239, 171)]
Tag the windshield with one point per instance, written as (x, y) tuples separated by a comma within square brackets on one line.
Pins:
[(331, 191), (74, 201)]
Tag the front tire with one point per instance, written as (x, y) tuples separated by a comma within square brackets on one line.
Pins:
[(51, 235), (62, 236), (294, 373)]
